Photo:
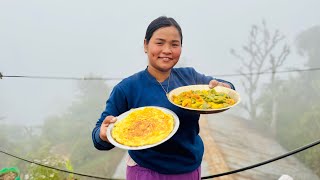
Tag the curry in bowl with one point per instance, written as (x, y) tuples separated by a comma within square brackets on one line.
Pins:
[(204, 100)]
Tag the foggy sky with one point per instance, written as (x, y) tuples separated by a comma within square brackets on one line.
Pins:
[(76, 38)]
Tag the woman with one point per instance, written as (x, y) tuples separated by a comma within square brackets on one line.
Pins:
[(180, 157)]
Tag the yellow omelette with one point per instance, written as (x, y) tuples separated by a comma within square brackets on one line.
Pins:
[(144, 126)]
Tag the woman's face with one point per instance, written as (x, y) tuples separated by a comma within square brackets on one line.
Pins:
[(164, 48)]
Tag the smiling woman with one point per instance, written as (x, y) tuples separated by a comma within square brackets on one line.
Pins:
[(162, 44), (180, 156)]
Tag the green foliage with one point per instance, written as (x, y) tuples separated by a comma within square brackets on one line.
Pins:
[(64, 140), (7, 140), (298, 105), (36, 172), (298, 121), (69, 168), (69, 133), (309, 131)]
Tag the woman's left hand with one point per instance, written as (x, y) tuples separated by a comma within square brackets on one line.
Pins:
[(214, 83)]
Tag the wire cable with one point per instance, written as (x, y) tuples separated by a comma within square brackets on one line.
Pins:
[(118, 78), (270, 72), (265, 162), (302, 148), (58, 169), (61, 77)]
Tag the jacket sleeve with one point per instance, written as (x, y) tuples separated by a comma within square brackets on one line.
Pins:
[(203, 79), (115, 105)]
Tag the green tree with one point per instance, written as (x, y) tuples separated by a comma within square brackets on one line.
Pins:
[(261, 48), (308, 43), (70, 132)]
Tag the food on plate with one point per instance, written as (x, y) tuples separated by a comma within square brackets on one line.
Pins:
[(203, 99), (144, 126)]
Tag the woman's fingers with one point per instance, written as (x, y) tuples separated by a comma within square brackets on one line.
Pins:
[(214, 83), (109, 119), (106, 122), (226, 85), (113, 119)]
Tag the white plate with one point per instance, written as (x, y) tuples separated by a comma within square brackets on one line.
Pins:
[(232, 93), (122, 116)]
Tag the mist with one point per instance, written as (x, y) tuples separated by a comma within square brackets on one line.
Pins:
[(105, 39)]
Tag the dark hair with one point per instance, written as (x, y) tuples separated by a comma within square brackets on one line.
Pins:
[(161, 22)]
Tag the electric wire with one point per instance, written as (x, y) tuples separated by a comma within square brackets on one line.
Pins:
[(54, 168), (60, 77), (302, 148), (119, 78), (271, 72)]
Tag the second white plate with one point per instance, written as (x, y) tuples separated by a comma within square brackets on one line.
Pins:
[(120, 117)]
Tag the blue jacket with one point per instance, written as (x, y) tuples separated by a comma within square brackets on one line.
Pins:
[(183, 152)]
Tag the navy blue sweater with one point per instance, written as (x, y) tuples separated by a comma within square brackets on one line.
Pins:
[(183, 152)]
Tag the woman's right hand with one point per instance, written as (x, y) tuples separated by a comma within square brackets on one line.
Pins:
[(103, 128)]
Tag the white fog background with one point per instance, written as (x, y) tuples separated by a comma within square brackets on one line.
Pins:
[(105, 38), (77, 38)]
